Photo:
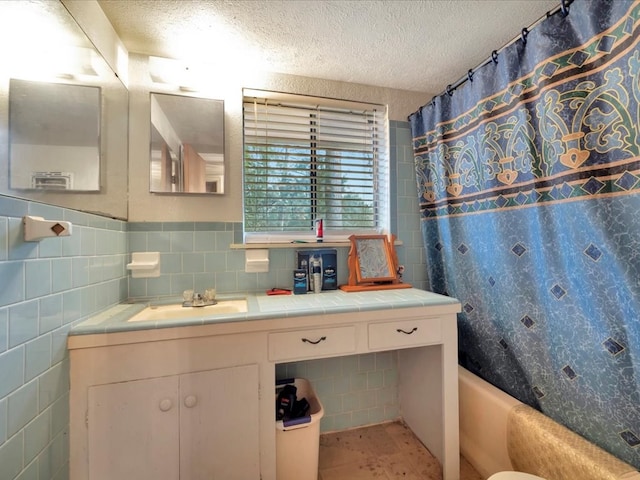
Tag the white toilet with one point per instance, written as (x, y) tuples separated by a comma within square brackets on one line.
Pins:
[(514, 476)]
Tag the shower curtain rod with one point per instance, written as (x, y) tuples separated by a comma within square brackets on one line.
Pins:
[(563, 9)]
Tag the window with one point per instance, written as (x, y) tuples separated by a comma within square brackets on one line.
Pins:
[(307, 158)]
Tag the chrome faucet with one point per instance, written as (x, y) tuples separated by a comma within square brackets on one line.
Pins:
[(193, 299)]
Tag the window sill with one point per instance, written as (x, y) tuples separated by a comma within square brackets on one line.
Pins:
[(250, 246)]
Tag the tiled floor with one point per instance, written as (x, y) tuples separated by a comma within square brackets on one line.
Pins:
[(384, 452)]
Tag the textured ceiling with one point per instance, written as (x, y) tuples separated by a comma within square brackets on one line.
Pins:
[(420, 45)]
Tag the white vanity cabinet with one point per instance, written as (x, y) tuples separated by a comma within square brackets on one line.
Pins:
[(181, 426), (147, 407), (196, 402)]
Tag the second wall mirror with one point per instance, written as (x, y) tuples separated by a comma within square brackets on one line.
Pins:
[(187, 145)]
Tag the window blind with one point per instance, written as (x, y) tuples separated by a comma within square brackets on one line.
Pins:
[(304, 160)]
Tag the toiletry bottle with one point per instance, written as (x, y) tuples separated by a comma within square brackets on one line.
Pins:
[(317, 276), (300, 284), (304, 266), (319, 230)]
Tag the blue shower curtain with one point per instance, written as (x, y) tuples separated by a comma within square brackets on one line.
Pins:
[(529, 188)]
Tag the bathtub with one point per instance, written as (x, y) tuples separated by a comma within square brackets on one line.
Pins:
[(499, 433), (484, 410)]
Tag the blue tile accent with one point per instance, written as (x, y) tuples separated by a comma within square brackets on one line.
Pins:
[(38, 356), (71, 246), (60, 414), (3, 420), (144, 226), (23, 322), (205, 241), (13, 207), (87, 241), (170, 263), (53, 385), (80, 271), (4, 329), (22, 407), (156, 242), (193, 262), (36, 436), (51, 313), (178, 226), (12, 274), (48, 285), (50, 247), (38, 278), (4, 239), (138, 242), (18, 248), (11, 453), (182, 241), (158, 287), (72, 303), (60, 274), (11, 370)]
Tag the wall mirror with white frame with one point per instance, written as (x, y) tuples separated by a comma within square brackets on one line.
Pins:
[(187, 145), (63, 113)]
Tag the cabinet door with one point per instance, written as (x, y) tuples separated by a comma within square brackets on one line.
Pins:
[(219, 424), (133, 430)]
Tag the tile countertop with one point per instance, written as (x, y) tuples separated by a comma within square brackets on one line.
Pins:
[(262, 306)]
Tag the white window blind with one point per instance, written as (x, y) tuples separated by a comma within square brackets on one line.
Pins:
[(305, 160)]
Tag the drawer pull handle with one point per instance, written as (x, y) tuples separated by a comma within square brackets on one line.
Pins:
[(414, 329), (316, 342)]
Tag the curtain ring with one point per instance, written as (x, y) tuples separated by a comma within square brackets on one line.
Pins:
[(470, 74), (494, 56), (564, 8), (449, 90), (523, 35)]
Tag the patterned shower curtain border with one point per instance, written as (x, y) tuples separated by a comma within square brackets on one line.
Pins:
[(490, 157)]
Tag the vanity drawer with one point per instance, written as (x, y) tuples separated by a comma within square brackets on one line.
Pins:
[(404, 333), (318, 342)]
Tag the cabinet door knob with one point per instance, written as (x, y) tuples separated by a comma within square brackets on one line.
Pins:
[(166, 404), (190, 401)]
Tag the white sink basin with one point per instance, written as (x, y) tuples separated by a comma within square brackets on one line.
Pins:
[(177, 311)]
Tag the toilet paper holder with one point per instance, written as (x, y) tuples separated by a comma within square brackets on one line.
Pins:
[(37, 228)]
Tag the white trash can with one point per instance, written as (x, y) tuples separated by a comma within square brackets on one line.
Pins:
[(298, 441)]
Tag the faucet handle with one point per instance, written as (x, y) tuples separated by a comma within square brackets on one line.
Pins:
[(187, 295), (210, 295)]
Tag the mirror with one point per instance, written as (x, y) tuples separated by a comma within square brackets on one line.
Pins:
[(187, 144), (54, 136), (373, 259), (373, 264), (63, 113)]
